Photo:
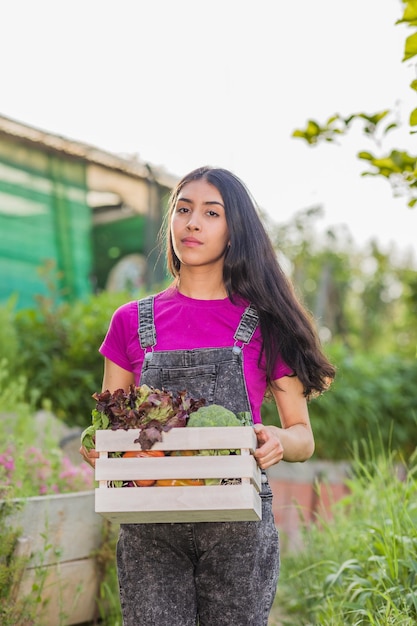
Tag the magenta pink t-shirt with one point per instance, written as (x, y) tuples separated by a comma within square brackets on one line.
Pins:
[(183, 323)]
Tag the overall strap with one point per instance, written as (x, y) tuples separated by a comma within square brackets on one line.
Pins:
[(247, 325), (146, 327)]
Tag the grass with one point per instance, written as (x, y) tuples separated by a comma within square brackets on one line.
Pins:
[(360, 567)]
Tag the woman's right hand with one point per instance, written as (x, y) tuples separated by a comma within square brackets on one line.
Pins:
[(115, 377), (89, 456)]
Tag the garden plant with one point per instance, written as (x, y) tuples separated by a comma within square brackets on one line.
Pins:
[(359, 568), (31, 464)]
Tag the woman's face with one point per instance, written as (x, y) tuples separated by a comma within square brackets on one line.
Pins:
[(199, 229)]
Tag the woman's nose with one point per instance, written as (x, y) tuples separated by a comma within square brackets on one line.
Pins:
[(193, 223)]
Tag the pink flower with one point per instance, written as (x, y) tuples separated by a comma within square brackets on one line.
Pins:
[(7, 461)]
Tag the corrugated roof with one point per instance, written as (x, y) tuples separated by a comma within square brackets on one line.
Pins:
[(78, 150)]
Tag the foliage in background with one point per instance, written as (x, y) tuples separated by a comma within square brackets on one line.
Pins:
[(108, 602), (370, 397), (399, 167), (9, 341), (360, 567), (365, 308), (364, 299), (12, 610), (55, 346), (58, 352), (31, 461), (31, 464)]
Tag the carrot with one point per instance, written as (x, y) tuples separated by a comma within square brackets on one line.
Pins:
[(139, 454), (179, 482)]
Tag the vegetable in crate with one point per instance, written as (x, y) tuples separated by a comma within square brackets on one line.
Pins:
[(148, 409), (133, 454), (180, 482), (216, 415)]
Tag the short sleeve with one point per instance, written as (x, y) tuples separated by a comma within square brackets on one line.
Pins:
[(281, 369), (121, 332)]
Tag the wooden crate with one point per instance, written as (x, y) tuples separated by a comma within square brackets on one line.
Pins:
[(214, 503)]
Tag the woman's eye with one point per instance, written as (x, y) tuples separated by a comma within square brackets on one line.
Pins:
[(182, 209), (212, 213)]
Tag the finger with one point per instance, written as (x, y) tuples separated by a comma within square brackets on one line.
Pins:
[(261, 433)]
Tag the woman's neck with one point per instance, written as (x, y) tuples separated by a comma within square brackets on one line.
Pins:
[(201, 287)]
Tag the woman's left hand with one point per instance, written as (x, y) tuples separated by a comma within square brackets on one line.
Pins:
[(270, 449), (90, 456)]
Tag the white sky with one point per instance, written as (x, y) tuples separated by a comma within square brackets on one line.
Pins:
[(184, 83)]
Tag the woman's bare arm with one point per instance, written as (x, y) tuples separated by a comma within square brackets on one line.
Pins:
[(294, 440)]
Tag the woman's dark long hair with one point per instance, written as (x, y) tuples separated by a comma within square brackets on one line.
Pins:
[(251, 270)]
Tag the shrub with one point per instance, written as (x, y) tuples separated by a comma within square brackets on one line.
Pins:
[(359, 567), (59, 353), (371, 397), (9, 342), (31, 462)]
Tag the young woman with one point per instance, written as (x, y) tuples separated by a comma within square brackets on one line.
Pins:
[(228, 329)]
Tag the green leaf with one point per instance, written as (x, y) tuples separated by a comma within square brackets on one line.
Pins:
[(312, 127), (413, 84), (298, 133), (410, 13), (390, 127), (410, 47), (244, 417), (386, 164), (333, 119), (349, 119), (374, 118), (310, 135), (413, 118), (367, 156), (404, 160)]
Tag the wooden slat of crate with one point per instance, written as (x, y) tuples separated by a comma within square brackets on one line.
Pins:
[(180, 439), (239, 466), (143, 505), (180, 504)]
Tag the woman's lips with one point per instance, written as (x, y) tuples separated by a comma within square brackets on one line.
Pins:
[(191, 242)]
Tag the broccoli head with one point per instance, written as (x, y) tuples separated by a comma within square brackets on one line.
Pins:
[(213, 415)]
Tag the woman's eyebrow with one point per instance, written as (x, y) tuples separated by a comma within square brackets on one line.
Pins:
[(208, 202), (183, 199)]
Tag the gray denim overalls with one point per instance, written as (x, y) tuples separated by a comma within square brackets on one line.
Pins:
[(205, 573)]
